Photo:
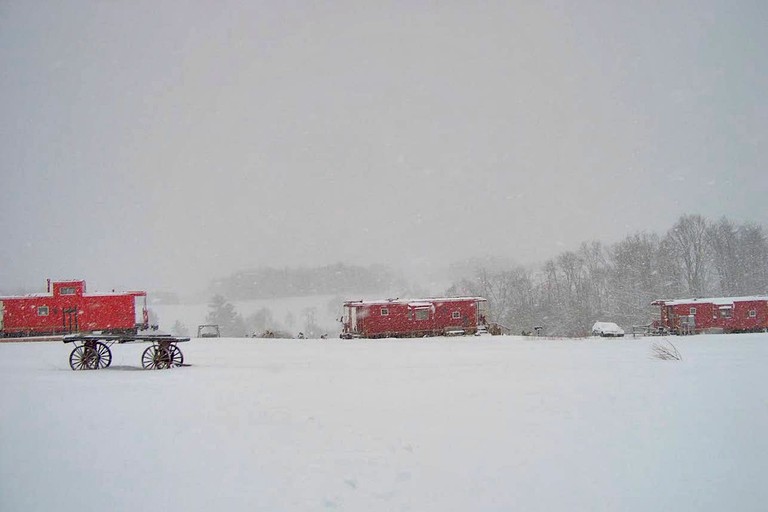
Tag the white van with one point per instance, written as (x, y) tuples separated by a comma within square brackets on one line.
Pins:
[(607, 329)]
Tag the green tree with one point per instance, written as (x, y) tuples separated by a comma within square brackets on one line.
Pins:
[(223, 314)]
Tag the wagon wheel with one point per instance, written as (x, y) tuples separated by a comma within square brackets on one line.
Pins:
[(92, 355), (81, 358), (104, 355), (176, 357), (154, 358)]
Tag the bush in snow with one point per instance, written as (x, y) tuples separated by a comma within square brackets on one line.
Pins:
[(666, 351)]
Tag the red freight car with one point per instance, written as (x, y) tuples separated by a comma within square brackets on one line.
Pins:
[(67, 308), (393, 318), (724, 314)]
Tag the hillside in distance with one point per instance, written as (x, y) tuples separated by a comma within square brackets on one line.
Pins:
[(270, 282)]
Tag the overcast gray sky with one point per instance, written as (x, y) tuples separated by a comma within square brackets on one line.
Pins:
[(156, 144)]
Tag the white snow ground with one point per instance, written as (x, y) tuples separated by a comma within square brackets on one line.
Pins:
[(461, 424)]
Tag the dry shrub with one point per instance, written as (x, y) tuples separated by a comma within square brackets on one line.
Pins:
[(666, 351)]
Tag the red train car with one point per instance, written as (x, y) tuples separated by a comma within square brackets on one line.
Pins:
[(67, 308), (394, 318), (724, 314)]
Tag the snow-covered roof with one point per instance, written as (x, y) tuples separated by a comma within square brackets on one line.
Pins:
[(412, 302), (607, 327), (718, 301), (115, 292), (111, 294), (27, 296), (49, 295)]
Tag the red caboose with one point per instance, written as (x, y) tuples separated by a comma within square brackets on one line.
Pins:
[(394, 318), (724, 314), (67, 308)]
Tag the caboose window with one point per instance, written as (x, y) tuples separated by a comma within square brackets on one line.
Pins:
[(384, 312), (693, 311), (456, 314), (725, 313), (752, 313), (67, 290), (422, 314), (42, 311)]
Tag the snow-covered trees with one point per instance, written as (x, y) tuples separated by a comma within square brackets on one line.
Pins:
[(687, 241), (633, 278), (752, 255), (511, 295), (723, 241), (739, 257), (695, 258)]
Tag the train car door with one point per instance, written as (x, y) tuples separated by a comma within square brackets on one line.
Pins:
[(688, 324), (349, 321), (2, 311), (352, 316), (140, 313), (482, 312), (69, 320)]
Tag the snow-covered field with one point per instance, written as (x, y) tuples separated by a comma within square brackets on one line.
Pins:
[(461, 424)]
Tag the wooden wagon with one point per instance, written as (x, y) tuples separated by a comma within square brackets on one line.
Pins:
[(92, 351)]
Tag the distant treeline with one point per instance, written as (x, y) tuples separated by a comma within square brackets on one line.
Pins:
[(268, 282), (567, 294)]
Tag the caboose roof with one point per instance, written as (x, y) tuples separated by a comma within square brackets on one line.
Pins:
[(60, 282), (424, 302), (718, 301), (27, 296), (49, 295), (112, 294), (420, 304)]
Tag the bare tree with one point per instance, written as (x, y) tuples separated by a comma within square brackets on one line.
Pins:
[(724, 244), (596, 278), (752, 256), (511, 294), (634, 280), (688, 242)]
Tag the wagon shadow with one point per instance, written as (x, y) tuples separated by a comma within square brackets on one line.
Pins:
[(123, 368), (128, 368)]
